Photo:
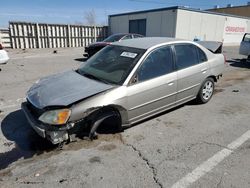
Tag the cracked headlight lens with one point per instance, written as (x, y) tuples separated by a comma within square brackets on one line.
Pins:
[(55, 117)]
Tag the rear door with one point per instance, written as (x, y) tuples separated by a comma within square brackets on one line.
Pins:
[(153, 87), (192, 69)]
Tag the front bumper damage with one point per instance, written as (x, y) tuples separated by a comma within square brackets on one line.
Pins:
[(54, 134)]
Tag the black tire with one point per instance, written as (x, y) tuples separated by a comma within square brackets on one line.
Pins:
[(108, 122), (206, 91)]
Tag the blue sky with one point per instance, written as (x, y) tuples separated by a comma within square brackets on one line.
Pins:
[(74, 11)]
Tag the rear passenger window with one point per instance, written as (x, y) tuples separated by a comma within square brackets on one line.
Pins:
[(201, 55), (158, 63), (138, 36), (186, 55), (127, 37)]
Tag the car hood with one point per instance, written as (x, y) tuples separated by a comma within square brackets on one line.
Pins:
[(64, 89)]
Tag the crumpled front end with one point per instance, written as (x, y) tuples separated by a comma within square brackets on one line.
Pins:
[(55, 133)]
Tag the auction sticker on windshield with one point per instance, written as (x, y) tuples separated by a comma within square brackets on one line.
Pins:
[(129, 54)]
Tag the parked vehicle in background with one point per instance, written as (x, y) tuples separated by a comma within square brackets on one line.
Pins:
[(4, 58), (213, 46), (125, 83), (95, 47), (245, 46)]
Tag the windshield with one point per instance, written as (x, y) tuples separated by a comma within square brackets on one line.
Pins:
[(246, 37), (112, 64), (113, 38)]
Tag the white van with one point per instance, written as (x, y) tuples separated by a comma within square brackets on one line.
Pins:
[(245, 46), (3, 55)]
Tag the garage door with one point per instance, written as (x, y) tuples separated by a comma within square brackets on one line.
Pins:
[(137, 26)]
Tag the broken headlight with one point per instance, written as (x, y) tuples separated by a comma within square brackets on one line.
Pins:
[(55, 117)]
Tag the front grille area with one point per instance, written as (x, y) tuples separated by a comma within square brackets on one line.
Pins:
[(36, 112)]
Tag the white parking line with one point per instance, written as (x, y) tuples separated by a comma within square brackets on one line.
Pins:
[(208, 165)]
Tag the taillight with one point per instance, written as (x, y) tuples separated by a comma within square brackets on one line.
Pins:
[(1, 46)]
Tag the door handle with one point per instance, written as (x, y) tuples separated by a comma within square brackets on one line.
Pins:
[(204, 70), (171, 83)]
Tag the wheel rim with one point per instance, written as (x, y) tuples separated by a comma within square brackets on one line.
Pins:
[(207, 90)]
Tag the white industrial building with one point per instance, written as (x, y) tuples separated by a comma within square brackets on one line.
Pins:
[(184, 23)]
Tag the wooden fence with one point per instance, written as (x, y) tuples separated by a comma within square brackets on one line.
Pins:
[(37, 35), (5, 38)]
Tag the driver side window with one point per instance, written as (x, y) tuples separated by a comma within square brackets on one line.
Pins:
[(158, 63)]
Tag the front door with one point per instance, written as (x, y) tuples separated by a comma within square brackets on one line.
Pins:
[(155, 85)]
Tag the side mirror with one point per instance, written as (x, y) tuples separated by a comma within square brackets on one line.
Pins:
[(134, 79)]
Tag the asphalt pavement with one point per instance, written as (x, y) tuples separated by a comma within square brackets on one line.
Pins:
[(189, 146)]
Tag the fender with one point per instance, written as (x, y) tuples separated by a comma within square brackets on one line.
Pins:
[(98, 122)]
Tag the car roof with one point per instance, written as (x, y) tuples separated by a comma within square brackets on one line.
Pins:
[(117, 34), (126, 34), (146, 42)]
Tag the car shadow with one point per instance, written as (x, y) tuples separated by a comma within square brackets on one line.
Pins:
[(26, 141), (190, 103), (240, 63)]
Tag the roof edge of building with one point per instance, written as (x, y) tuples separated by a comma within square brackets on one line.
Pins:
[(176, 8), (233, 7)]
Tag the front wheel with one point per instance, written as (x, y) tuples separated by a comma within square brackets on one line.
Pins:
[(107, 122), (206, 91)]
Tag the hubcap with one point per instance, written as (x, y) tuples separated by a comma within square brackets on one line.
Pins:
[(207, 90)]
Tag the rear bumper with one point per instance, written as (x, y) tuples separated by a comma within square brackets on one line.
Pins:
[(55, 136)]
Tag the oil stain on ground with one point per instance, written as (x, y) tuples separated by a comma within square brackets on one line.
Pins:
[(95, 159), (107, 147)]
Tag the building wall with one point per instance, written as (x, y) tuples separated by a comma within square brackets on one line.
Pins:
[(118, 24), (161, 23), (240, 10), (234, 30), (168, 23), (248, 26), (205, 26), (192, 25), (187, 24)]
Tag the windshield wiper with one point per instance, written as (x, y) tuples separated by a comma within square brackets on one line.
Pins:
[(94, 78)]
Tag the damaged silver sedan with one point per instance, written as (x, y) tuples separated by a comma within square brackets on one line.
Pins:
[(121, 85)]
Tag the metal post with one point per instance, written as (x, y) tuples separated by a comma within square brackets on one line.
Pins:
[(95, 33), (38, 42), (68, 36)]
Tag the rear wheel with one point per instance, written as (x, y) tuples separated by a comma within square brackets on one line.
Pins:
[(206, 91)]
